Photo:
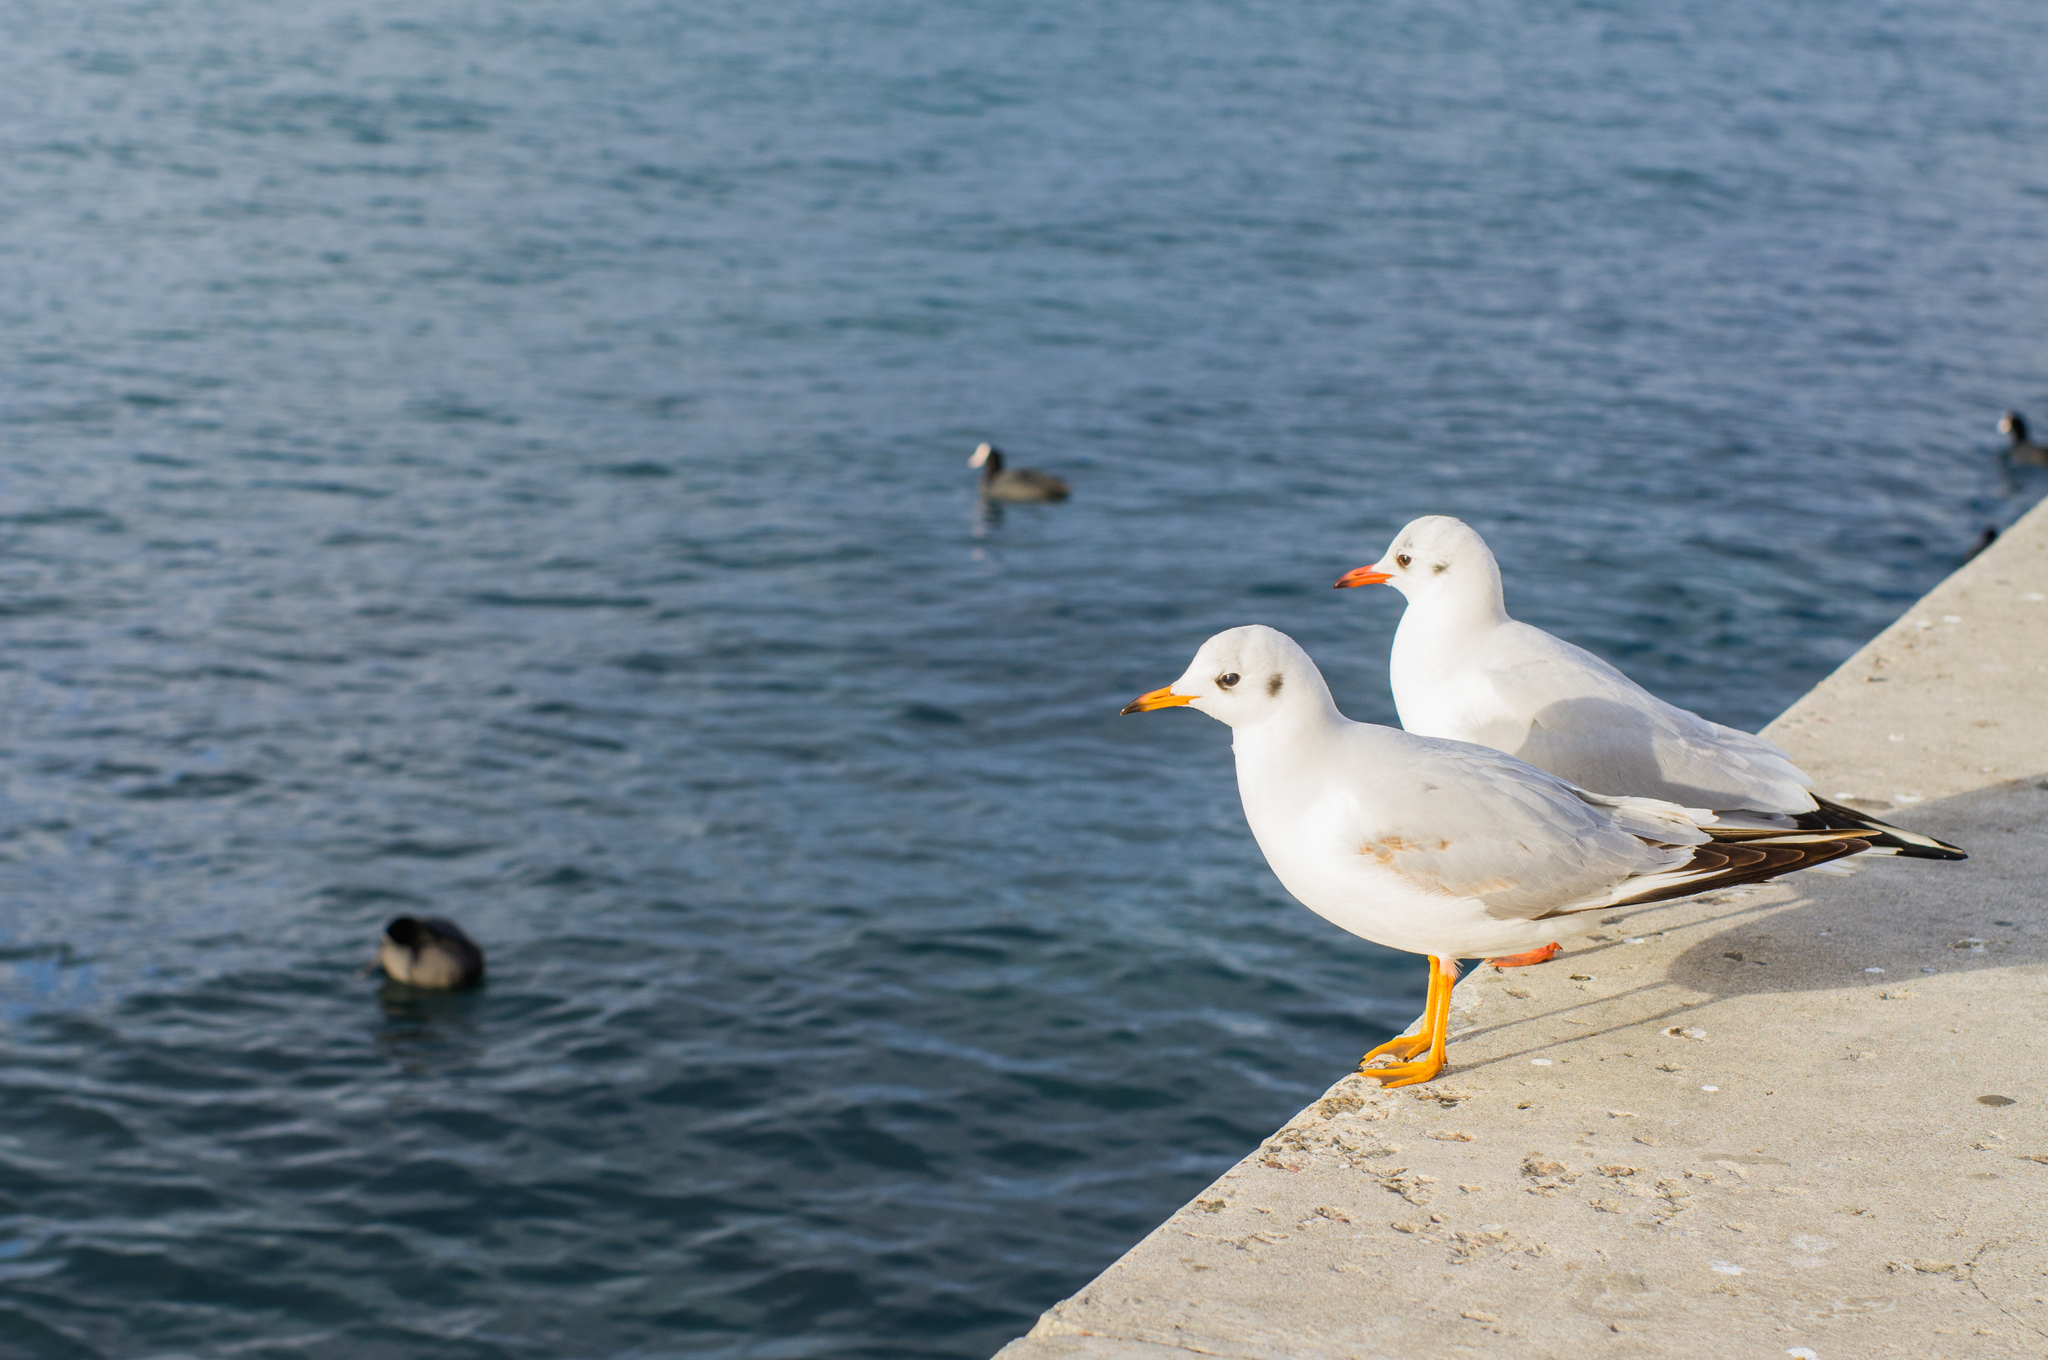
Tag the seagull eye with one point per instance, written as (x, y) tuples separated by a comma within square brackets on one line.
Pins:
[(1403, 560), (1228, 681)]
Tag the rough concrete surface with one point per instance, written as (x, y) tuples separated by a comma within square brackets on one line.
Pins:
[(1804, 1118)]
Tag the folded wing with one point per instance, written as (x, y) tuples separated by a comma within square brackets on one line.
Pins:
[(1467, 821), (1592, 725)]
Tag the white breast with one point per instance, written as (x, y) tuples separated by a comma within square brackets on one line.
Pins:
[(1438, 693), (1304, 844)]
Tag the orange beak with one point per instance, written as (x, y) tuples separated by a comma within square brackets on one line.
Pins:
[(1158, 698), (1361, 576)]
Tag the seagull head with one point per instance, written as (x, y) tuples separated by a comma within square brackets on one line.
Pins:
[(1430, 555), (1243, 677)]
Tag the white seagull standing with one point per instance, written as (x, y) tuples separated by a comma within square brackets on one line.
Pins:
[(1461, 668), (1441, 847)]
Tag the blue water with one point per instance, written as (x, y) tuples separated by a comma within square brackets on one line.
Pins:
[(507, 461)]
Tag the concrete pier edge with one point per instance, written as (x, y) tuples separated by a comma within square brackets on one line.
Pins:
[(1802, 1119)]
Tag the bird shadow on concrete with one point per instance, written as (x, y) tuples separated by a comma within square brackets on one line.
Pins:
[(1902, 918), (1898, 916)]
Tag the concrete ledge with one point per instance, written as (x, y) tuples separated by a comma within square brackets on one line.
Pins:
[(1802, 1118), (1091, 1348)]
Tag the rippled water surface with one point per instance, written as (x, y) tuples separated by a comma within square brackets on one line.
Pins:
[(507, 461)]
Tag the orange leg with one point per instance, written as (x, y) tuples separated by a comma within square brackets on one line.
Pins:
[(1435, 1035), (1408, 1045), (1527, 957)]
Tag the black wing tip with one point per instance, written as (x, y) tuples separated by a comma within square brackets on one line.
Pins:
[(1883, 835), (1914, 850)]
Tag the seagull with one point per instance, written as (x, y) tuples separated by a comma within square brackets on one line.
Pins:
[(999, 483), (431, 952), (1461, 668), (2024, 450), (1440, 847)]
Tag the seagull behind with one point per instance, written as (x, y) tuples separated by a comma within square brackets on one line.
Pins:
[(1461, 668), (1440, 847)]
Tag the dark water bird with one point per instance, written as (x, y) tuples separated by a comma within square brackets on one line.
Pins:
[(430, 951), (2013, 426), (999, 483), (1985, 539)]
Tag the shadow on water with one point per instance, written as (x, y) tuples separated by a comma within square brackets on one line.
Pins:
[(429, 1031)]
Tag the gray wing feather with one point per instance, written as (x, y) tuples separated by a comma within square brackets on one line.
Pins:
[(1482, 824), (1598, 729)]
